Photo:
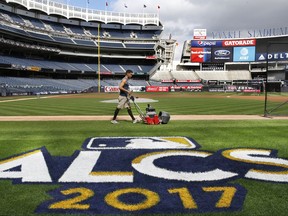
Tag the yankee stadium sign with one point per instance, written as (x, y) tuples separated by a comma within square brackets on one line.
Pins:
[(254, 33), (120, 175)]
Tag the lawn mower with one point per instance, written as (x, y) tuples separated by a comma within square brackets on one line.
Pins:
[(151, 117)]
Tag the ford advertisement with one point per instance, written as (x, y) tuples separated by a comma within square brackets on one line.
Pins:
[(222, 54)]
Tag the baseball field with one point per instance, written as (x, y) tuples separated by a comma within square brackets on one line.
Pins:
[(47, 143)]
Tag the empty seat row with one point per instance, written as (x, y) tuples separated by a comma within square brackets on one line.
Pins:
[(204, 75), (69, 66)]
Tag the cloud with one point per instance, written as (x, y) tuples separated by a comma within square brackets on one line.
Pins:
[(181, 17)]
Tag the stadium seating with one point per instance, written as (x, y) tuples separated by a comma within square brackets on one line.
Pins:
[(162, 75), (56, 46), (185, 75)]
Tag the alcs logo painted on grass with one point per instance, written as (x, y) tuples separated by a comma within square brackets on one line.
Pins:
[(144, 175)]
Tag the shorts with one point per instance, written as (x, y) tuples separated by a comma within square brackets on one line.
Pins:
[(123, 102)]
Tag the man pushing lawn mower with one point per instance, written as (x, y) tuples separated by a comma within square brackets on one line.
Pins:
[(124, 102), (124, 97)]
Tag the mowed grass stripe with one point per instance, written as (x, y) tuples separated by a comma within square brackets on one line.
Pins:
[(211, 135), (64, 106), (174, 103), (211, 106)]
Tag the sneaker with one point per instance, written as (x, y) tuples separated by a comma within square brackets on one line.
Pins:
[(135, 121), (114, 122)]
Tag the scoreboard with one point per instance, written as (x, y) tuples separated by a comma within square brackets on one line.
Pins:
[(239, 50), (217, 51)]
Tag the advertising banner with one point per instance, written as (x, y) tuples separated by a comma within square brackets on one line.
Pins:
[(116, 88), (272, 56), (243, 54), (200, 34), (157, 89), (181, 81), (33, 68), (245, 42), (200, 54), (224, 54), (111, 89), (206, 43), (251, 91), (186, 88)]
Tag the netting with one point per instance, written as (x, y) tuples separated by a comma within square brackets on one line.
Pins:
[(277, 104)]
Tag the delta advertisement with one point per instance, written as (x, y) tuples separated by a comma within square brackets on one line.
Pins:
[(282, 56), (218, 51)]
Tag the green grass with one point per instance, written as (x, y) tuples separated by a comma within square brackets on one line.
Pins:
[(63, 138), (280, 108), (174, 103)]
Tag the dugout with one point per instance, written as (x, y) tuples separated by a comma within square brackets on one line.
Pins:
[(274, 86)]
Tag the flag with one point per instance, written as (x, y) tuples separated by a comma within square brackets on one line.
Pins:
[(144, 6), (88, 2), (158, 7), (106, 4), (125, 5)]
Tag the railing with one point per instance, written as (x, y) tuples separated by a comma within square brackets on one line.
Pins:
[(69, 11)]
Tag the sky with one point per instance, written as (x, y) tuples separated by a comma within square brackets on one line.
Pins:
[(181, 17)]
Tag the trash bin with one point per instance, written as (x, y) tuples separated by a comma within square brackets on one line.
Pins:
[(164, 117)]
